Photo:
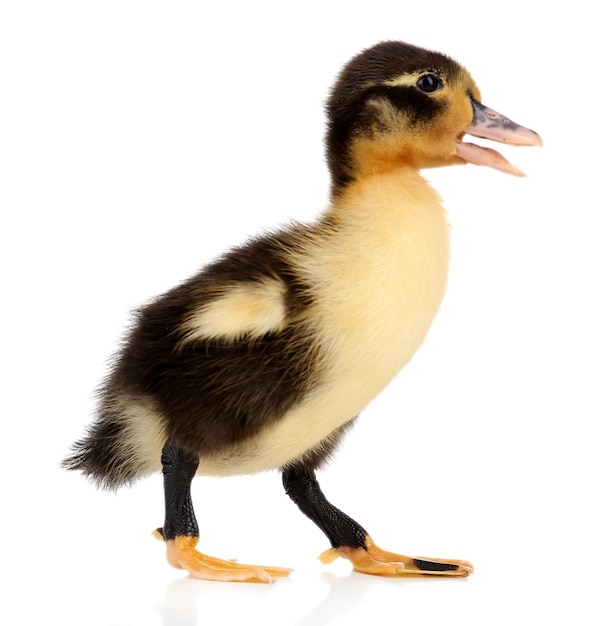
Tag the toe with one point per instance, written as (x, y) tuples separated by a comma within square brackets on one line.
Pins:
[(182, 554), (373, 560)]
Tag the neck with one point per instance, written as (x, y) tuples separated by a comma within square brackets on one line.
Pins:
[(383, 195)]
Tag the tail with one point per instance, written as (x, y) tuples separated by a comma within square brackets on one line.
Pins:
[(121, 446)]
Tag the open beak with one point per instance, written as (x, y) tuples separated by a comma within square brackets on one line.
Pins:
[(489, 124)]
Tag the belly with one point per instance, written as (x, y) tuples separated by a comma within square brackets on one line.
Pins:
[(356, 374)]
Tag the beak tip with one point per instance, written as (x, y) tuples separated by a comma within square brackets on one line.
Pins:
[(529, 138)]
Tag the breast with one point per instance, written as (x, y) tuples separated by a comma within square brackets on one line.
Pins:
[(377, 282)]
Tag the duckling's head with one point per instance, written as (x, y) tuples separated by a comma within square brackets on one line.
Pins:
[(397, 105)]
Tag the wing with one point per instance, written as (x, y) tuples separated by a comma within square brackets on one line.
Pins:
[(225, 353)]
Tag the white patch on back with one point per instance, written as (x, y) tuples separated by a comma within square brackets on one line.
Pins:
[(246, 310)]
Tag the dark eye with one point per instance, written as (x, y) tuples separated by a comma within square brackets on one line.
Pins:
[(429, 83)]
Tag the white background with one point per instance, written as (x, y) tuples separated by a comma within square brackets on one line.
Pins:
[(138, 140)]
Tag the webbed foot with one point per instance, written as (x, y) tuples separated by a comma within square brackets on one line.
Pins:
[(374, 560), (182, 554)]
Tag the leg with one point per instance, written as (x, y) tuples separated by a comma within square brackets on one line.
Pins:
[(351, 541), (180, 531)]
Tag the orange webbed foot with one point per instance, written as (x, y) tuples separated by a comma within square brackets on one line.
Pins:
[(374, 560), (182, 554)]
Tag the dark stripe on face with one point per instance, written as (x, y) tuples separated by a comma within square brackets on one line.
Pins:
[(419, 106)]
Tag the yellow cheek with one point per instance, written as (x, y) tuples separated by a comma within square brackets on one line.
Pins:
[(437, 145), (460, 111)]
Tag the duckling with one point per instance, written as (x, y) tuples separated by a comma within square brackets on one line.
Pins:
[(265, 358)]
